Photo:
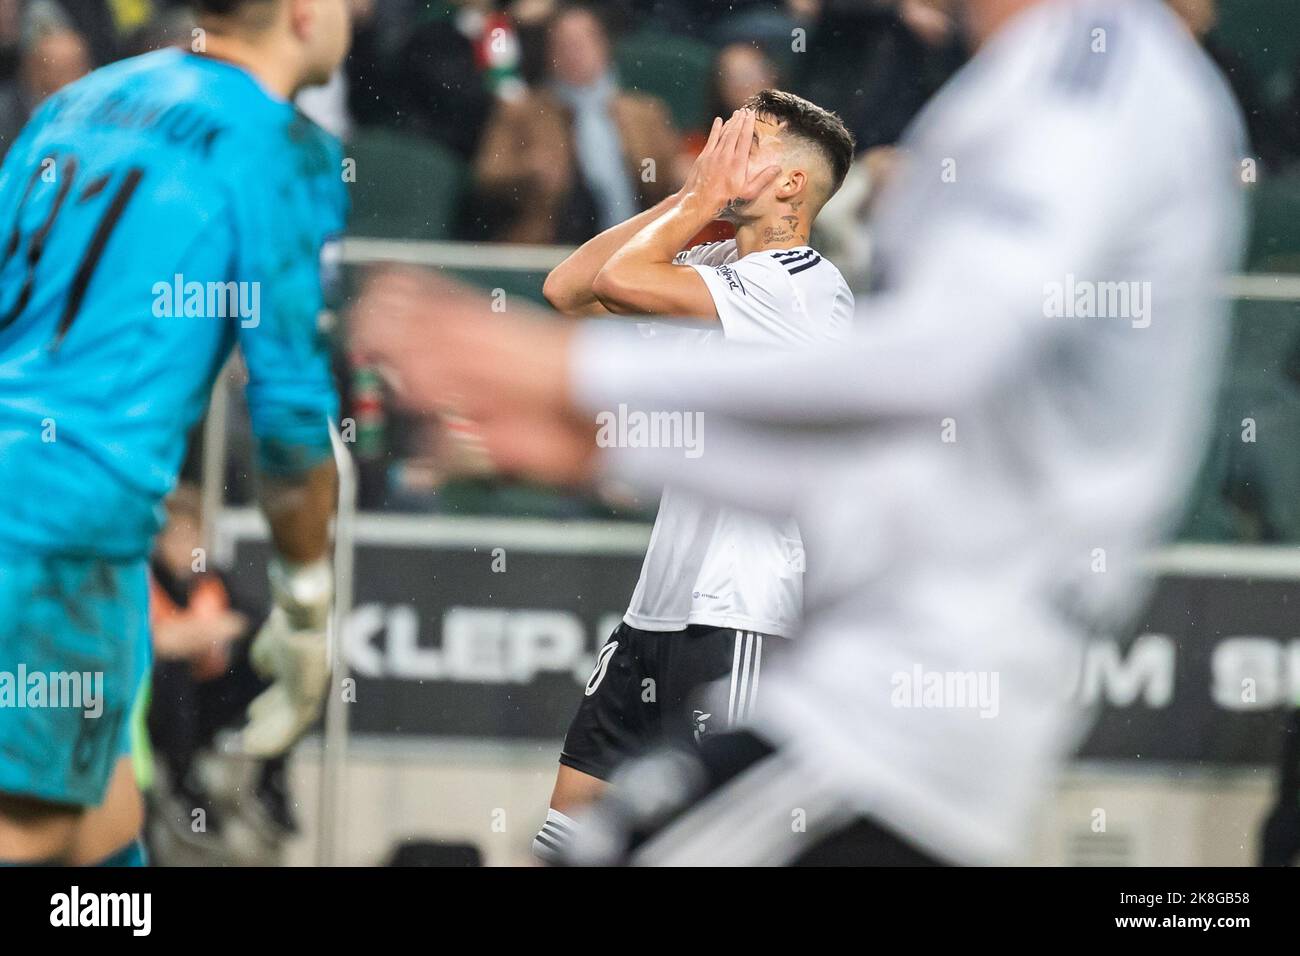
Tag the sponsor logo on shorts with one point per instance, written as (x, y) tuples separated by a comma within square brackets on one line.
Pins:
[(602, 665), (700, 724)]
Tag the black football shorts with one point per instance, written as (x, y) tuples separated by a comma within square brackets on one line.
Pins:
[(648, 688)]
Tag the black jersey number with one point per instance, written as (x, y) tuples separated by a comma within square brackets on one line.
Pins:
[(65, 172)]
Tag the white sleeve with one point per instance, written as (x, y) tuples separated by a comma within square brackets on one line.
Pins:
[(708, 253), (754, 297)]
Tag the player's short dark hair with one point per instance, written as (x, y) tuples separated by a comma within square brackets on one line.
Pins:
[(810, 122)]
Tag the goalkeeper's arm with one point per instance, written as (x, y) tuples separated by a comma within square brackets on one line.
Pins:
[(299, 511), (290, 649)]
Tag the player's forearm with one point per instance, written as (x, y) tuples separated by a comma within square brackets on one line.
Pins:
[(569, 286), (632, 281), (299, 512)]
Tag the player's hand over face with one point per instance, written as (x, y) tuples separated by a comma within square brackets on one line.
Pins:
[(721, 176)]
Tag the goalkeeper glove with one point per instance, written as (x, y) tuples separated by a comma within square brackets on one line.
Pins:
[(290, 651)]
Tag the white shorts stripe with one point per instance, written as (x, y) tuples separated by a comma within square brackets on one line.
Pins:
[(753, 684), (741, 708), (735, 677)]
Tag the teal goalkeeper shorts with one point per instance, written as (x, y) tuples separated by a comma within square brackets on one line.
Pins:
[(74, 648)]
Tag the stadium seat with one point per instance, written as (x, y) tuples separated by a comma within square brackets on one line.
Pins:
[(1245, 490), (407, 187), (1272, 51), (1275, 229), (676, 69), (526, 284)]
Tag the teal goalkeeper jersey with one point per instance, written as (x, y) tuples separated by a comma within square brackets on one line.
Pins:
[(153, 215)]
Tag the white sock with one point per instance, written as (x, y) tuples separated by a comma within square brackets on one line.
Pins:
[(553, 839)]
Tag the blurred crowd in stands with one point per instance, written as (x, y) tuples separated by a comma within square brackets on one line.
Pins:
[(546, 121)]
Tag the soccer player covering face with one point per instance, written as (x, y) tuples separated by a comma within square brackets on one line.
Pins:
[(152, 216), (721, 588)]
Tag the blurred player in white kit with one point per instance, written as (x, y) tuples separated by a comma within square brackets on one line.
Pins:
[(976, 475)]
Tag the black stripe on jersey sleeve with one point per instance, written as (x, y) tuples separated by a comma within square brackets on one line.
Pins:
[(789, 256)]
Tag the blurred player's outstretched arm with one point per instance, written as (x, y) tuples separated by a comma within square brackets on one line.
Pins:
[(975, 304), (1028, 211)]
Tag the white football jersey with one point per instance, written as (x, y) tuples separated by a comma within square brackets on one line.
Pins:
[(720, 566)]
